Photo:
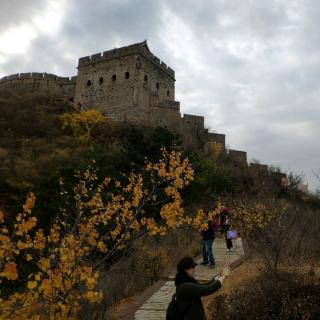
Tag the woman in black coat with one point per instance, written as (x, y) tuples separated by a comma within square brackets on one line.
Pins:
[(189, 291)]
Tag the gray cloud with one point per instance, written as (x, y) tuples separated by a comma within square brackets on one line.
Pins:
[(110, 23), (250, 67), (15, 12)]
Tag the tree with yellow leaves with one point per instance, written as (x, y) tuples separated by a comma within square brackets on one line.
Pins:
[(46, 274), (251, 216), (81, 123)]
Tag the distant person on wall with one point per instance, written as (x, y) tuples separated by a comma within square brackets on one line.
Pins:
[(207, 244), (186, 303)]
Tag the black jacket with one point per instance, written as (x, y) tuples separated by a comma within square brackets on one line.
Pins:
[(189, 293), (209, 233)]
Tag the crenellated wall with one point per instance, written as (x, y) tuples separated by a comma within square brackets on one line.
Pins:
[(237, 155), (258, 167), (36, 83), (137, 48), (130, 85)]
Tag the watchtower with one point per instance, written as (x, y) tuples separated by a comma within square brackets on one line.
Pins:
[(126, 84)]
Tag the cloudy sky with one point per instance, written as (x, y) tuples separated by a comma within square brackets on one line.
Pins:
[(251, 67)]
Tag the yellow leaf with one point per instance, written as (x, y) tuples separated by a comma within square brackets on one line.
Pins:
[(32, 284), (44, 264), (10, 271), (21, 245), (37, 276), (28, 257)]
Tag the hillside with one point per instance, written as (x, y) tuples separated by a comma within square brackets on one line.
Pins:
[(66, 175)]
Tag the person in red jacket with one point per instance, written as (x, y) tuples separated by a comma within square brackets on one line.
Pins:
[(224, 212)]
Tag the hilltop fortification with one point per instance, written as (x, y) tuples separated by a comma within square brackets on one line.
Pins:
[(129, 85)]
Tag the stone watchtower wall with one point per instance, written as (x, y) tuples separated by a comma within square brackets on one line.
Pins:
[(128, 84), (237, 155), (39, 84)]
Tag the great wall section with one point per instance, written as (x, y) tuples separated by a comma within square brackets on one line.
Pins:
[(129, 85), (39, 83)]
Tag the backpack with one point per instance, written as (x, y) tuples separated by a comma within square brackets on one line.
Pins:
[(173, 312)]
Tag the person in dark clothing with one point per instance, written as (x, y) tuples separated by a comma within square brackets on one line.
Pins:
[(189, 291), (207, 239), (223, 216)]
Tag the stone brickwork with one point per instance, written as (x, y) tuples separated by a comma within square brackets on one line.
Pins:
[(129, 84), (40, 84), (240, 156)]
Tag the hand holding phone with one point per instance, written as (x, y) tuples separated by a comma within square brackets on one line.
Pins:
[(226, 269)]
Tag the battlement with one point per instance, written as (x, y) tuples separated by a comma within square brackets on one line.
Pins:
[(259, 167), (37, 75), (137, 48), (216, 137), (193, 119), (238, 155)]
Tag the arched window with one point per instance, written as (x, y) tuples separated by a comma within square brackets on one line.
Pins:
[(127, 75), (168, 93), (89, 83), (158, 85), (145, 78), (114, 77), (101, 80)]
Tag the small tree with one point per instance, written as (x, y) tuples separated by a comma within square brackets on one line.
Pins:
[(81, 123), (47, 274)]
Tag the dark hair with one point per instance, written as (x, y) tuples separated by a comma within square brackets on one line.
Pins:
[(185, 263)]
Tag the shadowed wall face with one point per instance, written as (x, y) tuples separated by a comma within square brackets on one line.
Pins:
[(240, 156)]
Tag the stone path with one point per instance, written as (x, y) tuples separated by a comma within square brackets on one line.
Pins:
[(155, 307)]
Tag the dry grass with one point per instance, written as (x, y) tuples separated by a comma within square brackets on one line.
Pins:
[(248, 270), (252, 292)]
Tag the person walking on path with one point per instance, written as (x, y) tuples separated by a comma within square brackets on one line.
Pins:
[(189, 291), (207, 244), (227, 228)]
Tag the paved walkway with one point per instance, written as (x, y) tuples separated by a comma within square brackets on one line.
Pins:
[(155, 307)]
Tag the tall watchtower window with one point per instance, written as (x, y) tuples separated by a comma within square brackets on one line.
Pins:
[(88, 83), (127, 75), (158, 85), (145, 78), (101, 80), (168, 93), (114, 77)]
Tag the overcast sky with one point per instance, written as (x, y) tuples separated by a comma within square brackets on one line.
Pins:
[(250, 67)]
